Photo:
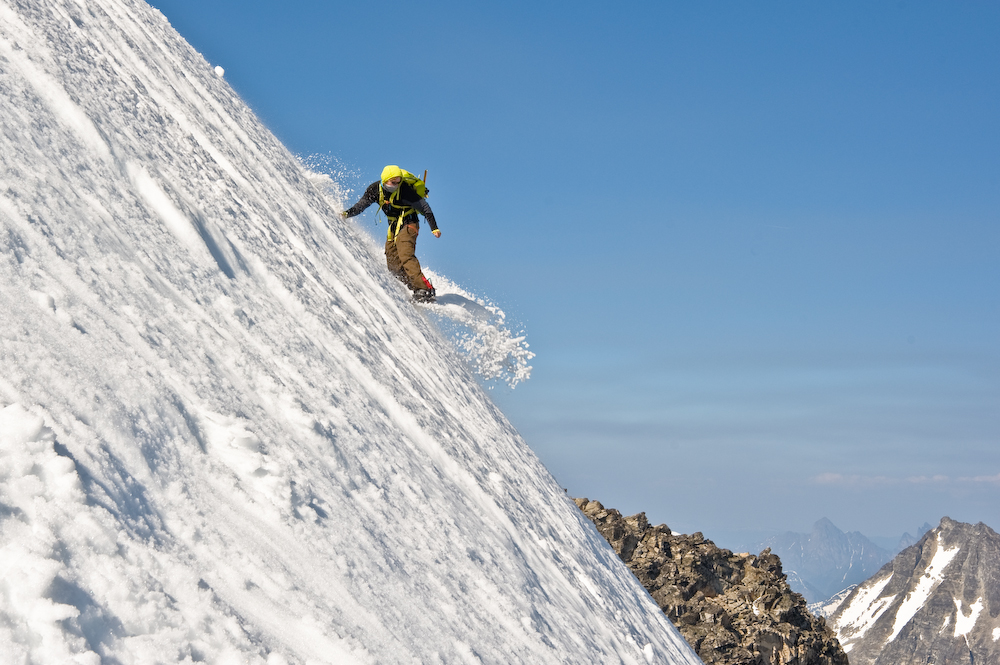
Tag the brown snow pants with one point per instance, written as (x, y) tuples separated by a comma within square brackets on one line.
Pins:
[(401, 258)]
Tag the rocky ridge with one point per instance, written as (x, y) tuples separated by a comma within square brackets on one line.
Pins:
[(731, 608)]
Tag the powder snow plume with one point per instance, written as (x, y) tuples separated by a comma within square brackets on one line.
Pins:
[(479, 329), (226, 435)]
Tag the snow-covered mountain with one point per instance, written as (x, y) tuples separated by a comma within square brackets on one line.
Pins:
[(938, 601), (226, 436)]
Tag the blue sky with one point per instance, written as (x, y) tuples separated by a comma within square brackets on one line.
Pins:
[(756, 246)]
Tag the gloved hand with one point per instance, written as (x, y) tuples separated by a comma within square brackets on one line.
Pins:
[(344, 214), (437, 233)]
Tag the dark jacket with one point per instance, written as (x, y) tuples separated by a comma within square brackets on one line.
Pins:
[(406, 205)]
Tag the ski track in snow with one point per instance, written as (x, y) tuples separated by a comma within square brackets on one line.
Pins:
[(226, 435)]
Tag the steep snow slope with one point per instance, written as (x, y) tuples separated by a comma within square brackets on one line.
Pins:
[(225, 434)]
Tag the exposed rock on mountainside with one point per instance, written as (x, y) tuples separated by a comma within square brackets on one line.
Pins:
[(936, 602), (826, 561), (732, 608)]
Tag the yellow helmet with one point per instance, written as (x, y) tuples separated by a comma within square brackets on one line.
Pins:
[(391, 171)]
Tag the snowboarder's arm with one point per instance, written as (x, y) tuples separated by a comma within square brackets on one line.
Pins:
[(421, 206), (370, 196)]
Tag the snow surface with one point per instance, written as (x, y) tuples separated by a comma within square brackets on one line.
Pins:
[(226, 435), (965, 624)]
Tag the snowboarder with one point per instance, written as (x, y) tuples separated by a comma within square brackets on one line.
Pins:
[(400, 195)]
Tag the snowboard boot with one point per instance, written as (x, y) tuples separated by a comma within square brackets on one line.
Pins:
[(424, 295)]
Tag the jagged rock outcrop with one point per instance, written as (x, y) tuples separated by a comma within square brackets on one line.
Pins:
[(732, 608), (937, 602)]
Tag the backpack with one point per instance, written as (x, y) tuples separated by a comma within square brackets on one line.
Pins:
[(420, 186)]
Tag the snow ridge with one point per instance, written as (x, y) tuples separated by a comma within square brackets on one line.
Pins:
[(226, 435)]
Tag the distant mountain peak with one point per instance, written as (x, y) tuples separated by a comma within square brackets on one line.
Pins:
[(825, 561)]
